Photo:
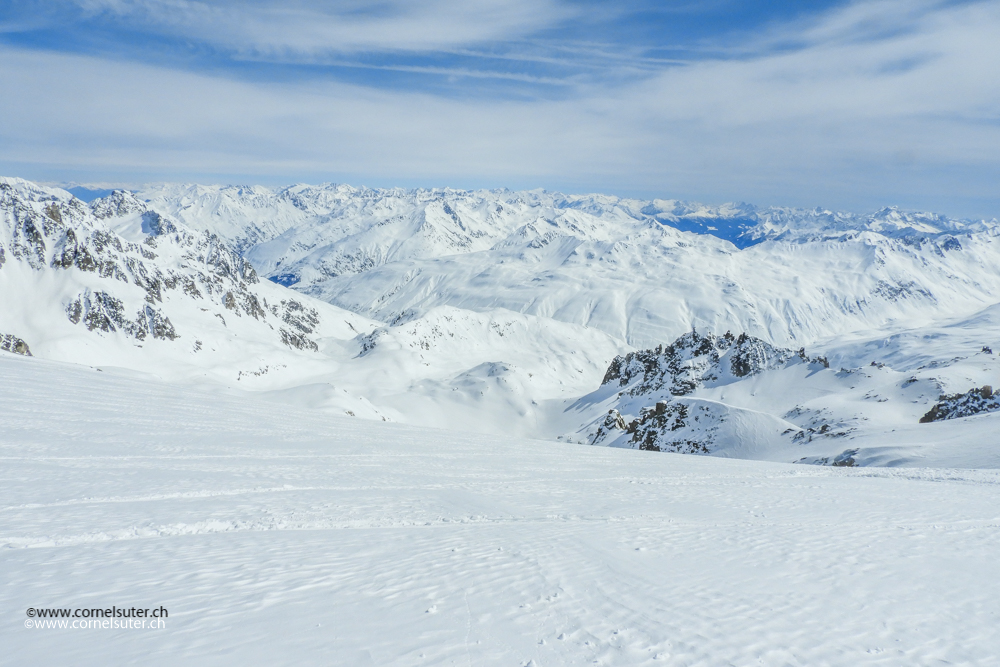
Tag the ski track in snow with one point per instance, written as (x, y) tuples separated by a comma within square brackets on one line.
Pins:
[(281, 536)]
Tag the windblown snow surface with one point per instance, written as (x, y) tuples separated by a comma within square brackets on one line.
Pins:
[(290, 537), (336, 425)]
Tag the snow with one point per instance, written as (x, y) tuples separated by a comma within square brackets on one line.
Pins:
[(644, 272), (289, 536), (377, 456), (500, 312)]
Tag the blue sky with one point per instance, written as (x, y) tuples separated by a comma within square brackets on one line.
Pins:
[(850, 105)]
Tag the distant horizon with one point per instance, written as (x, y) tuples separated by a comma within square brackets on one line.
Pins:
[(104, 188)]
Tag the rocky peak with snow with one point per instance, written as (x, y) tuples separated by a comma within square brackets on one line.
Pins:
[(158, 281), (695, 360)]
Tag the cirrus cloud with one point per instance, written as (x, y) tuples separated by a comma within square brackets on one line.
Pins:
[(853, 115)]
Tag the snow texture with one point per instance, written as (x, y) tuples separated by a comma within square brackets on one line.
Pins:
[(291, 537)]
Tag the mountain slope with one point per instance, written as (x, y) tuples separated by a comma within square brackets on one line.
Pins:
[(740, 397), (116, 283), (793, 277), (501, 312)]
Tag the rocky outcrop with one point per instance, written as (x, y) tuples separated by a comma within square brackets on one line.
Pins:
[(100, 311), (298, 316), (973, 402), (297, 340), (665, 377), (10, 343), (157, 225), (694, 360), (668, 426), (612, 427), (656, 430)]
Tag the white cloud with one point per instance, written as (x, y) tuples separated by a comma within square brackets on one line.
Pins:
[(311, 27), (908, 118)]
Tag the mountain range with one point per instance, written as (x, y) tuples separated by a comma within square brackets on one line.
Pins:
[(808, 336)]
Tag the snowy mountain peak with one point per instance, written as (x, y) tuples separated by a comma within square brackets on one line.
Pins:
[(117, 275), (118, 204)]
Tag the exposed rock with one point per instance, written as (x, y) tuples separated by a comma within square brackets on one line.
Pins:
[(897, 292), (153, 322), (297, 340), (48, 232), (10, 343), (817, 423), (117, 204), (655, 429), (156, 224), (100, 311), (694, 360), (52, 210), (613, 426), (370, 341), (294, 313), (956, 406), (845, 459)]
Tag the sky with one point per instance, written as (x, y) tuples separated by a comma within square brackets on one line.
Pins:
[(844, 105)]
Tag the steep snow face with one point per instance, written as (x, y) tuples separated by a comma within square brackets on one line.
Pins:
[(627, 267)]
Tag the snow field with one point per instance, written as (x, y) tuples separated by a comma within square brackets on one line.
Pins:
[(277, 535)]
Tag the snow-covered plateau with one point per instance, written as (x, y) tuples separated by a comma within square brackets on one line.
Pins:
[(336, 425)]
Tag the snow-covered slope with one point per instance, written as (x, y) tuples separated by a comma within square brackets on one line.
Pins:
[(501, 312), (118, 284), (622, 266), (291, 537), (741, 397)]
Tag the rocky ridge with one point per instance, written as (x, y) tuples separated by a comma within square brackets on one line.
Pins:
[(133, 284), (657, 386), (973, 402)]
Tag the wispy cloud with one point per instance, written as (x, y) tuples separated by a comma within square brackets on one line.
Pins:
[(338, 26), (822, 113)]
